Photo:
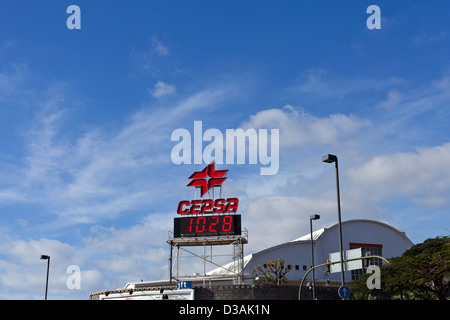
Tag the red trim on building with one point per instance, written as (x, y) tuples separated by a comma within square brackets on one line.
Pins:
[(365, 245)]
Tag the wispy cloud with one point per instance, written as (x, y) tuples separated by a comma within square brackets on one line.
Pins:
[(322, 84), (162, 89), (159, 48), (98, 174), (391, 151), (299, 128), (153, 59), (421, 175), (22, 274), (87, 177), (428, 38)]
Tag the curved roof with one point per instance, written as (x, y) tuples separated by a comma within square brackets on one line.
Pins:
[(307, 237), (318, 233)]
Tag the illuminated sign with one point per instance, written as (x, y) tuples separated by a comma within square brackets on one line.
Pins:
[(199, 178), (208, 206), (204, 226), (207, 217)]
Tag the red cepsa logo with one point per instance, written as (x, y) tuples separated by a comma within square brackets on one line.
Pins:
[(200, 180)]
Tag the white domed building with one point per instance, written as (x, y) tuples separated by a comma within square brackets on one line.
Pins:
[(374, 237)]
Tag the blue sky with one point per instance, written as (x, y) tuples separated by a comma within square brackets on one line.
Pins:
[(86, 118)]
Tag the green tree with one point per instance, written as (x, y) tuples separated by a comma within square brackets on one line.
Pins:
[(422, 272), (273, 271)]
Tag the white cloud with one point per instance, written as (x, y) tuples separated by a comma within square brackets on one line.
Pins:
[(421, 175), (153, 59), (162, 89), (375, 176), (160, 49), (272, 220), (108, 256), (98, 174), (427, 39), (394, 98), (132, 253), (23, 274), (298, 128), (323, 86), (12, 79)]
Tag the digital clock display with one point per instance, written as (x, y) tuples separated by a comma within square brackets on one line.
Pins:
[(204, 226)]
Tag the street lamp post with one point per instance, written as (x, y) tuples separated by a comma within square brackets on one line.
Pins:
[(311, 218), (330, 158), (45, 257)]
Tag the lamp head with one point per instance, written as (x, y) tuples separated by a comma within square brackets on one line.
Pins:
[(329, 158)]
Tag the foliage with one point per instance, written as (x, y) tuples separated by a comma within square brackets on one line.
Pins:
[(422, 272), (272, 272)]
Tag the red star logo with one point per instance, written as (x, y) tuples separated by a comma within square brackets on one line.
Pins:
[(200, 181)]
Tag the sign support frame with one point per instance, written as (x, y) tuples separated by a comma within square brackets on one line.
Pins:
[(238, 254)]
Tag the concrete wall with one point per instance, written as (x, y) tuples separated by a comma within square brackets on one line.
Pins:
[(261, 292), (246, 292)]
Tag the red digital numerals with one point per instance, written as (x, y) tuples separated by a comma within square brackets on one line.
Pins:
[(208, 206), (204, 226), (210, 224)]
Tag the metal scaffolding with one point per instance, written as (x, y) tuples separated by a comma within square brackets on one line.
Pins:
[(233, 270)]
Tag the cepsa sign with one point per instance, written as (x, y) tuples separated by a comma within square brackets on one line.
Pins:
[(207, 217), (208, 206)]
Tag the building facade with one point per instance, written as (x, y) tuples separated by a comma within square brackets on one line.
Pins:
[(373, 237)]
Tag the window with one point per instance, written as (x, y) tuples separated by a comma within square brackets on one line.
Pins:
[(367, 248)]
